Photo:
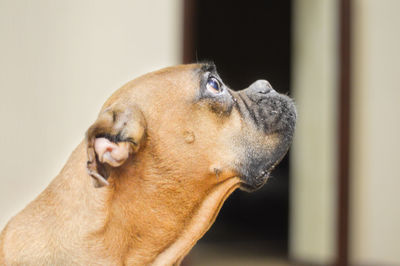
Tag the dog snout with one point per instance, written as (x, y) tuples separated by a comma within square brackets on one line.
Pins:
[(269, 110)]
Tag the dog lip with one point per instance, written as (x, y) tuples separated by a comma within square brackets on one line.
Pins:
[(251, 188), (251, 184)]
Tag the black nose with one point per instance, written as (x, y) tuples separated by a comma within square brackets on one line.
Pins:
[(259, 89)]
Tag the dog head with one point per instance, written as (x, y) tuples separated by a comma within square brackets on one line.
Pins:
[(188, 126)]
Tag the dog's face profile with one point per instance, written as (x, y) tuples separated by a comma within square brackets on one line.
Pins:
[(165, 152), (186, 125)]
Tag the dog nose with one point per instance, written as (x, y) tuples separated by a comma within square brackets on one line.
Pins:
[(259, 89)]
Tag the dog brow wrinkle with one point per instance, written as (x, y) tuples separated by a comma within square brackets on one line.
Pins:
[(208, 67)]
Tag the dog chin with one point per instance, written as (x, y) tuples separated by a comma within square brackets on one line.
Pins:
[(251, 184)]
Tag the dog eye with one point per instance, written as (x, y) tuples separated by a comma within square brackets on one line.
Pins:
[(213, 85)]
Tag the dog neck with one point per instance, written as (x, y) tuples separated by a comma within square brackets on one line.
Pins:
[(140, 222), (199, 223)]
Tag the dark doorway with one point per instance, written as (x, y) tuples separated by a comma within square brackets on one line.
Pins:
[(247, 41)]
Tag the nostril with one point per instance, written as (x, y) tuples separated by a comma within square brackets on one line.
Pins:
[(265, 90)]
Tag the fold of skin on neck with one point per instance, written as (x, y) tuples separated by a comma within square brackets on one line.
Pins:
[(199, 223)]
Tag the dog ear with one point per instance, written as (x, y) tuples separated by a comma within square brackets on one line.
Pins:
[(117, 133)]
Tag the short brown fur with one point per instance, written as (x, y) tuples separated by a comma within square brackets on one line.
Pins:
[(155, 205)]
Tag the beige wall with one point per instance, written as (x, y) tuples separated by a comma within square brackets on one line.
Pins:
[(59, 61), (313, 169), (375, 210), (375, 125)]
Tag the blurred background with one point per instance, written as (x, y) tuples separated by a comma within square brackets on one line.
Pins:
[(332, 201)]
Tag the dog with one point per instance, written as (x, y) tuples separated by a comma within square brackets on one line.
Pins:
[(153, 171)]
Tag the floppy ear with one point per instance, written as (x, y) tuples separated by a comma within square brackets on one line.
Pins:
[(117, 133)]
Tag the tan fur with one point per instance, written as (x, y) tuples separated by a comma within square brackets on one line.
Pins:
[(154, 207)]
